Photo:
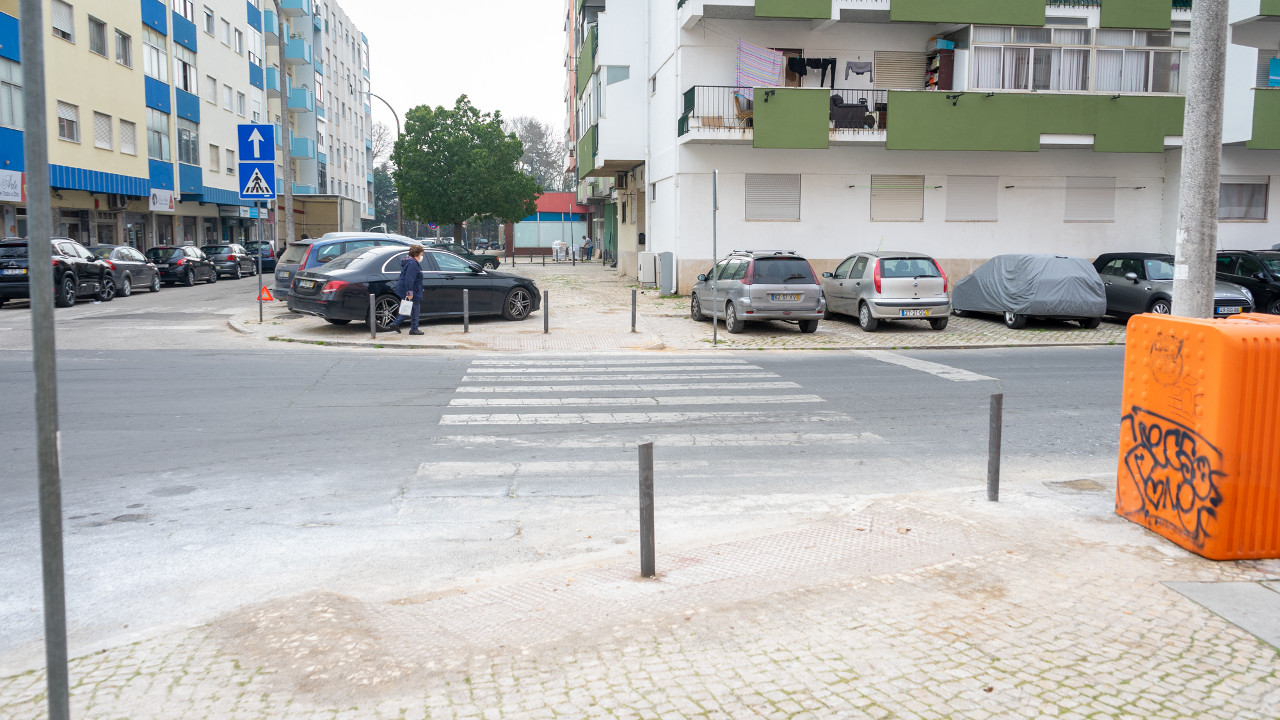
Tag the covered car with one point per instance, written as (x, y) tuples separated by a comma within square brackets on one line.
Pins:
[(1021, 286)]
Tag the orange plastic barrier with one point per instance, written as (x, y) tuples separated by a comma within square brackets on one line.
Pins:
[(1200, 433)]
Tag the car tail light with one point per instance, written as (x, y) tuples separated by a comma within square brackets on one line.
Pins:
[(876, 276), (110, 264), (271, 253), (334, 286), (303, 264), (181, 261), (55, 261), (231, 258), (943, 273), (751, 271)]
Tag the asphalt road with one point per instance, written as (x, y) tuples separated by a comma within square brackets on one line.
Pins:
[(204, 472)]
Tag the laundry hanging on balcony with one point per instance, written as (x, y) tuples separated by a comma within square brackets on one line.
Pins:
[(758, 67)]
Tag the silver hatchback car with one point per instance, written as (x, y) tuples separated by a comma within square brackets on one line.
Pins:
[(886, 285), (751, 285)]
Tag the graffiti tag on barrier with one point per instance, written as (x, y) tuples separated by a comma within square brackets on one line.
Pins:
[(1176, 473)]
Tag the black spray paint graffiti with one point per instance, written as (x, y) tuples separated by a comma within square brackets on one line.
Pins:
[(1176, 473)]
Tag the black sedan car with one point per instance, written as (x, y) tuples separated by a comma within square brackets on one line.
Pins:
[(232, 260), (129, 268), (339, 290), (184, 264), (1139, 282), (1258, 270), (266, 250), (488, 262), (76, 272)]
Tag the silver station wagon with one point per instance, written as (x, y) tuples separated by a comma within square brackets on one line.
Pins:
[(749, 285), (887, 285)]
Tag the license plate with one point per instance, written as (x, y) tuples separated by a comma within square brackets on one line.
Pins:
[(15, 271), (782, 297), (284, 274), (162, 266), (922, 312), (1229, 310), (306, 283)]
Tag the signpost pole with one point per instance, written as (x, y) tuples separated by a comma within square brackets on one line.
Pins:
[(261, 208)]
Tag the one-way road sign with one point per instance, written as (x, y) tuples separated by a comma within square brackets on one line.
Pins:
[(256, 171), (257, 142)]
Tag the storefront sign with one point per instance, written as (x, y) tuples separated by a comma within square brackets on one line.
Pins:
[(13, 186), (233, 211), (161, 200)]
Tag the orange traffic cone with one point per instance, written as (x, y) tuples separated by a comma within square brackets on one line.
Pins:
[(265, 295)]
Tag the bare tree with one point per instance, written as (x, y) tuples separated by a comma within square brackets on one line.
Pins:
[(383, 141), (544, 152)]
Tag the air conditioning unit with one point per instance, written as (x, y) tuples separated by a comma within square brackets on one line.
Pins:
[(117, 202), (648, 267)]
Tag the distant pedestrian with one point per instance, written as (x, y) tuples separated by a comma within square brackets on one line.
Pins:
[(409, 287), (587, 249)]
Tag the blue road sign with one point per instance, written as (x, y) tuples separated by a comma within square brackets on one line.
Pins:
[(257, 142), (256, 171), (257, 180)]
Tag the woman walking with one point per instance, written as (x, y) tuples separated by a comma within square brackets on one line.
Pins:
[(409, 287)]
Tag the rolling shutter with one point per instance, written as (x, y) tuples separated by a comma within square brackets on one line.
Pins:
[(102, 131), (900, 70), (971, 198), (897, 198), (1090, 199), (773, 197), (128, 138), (63, 19)]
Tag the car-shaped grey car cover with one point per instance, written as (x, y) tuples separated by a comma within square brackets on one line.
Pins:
[(1036, 285)]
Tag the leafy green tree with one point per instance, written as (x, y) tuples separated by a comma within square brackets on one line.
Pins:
[(453, 164), (384, 199)]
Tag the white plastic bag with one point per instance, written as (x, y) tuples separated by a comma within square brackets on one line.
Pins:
[(406, 307)]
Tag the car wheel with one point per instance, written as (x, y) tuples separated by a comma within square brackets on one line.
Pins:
[(938, 323), (190, 278), (213, 276), (1014, 320), (490, 265), (155, 283), (731, 321), (865, 320), (106, 291), (66, 296), (959, 313), (336, 321), (808, 326), (1090, 323), (695, 309), (126, 288), (239, 273), (385, 310), (517, 304), (1160, 307), (1274, 307)]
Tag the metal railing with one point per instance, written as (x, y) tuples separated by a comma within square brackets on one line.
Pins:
[(723, 108)]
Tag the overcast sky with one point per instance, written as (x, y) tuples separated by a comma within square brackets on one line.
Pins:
[(504, 54)]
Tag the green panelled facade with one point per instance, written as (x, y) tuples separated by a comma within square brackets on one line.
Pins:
[(587, 60), (587, 151), (984, 12), (793, 118), (1014, 121), (1266, 119), (1270, 7), (798, 9), (1141, 14)]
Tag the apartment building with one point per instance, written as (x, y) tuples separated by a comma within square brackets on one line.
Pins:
[(144, 99), (961, 129)]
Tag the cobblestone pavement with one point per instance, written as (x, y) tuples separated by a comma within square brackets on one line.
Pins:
[(590, 309), (931, 605)]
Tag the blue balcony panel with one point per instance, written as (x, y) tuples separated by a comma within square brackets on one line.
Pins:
[(184, 32), (297, 51), (9, 42), (273, 82), (320, 111), (270, 23), (190, 179), (304, 189), (370, 177), (11, 151), (62, 177), (322, 158), (317, 23), (301, 98), (157, 95), (161, 174), (302, 148), (255, 75), (188, 105), (254, 15), (319, 68), (295, 8), (279, 136), (156, 16)]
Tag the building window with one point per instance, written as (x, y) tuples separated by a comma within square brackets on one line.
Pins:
[(97, 36), (255, 46), (1128, 61), (1090, 199), (226, 97), (185, 8), (239, 46), (240, 108), (10, 94), (211, 89), (157, 135), (184, 70), (64, 25), (68, 122), (772, 197), (1243, 198), (124, 49), (128, 138), (231, 160), (188, 142), (101, 131), (208, 20), (215, 155), (226, 32), (897, 198), (155, 61), (257, 109), (971, 198)]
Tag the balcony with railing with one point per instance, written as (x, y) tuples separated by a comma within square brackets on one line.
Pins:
[(302, 99), (297, 51), (273, 82), (786, 117), (295, 8), (1120, 13), (587, 59), (302, 147)]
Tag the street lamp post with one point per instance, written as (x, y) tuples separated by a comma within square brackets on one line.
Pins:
[(399, 208)]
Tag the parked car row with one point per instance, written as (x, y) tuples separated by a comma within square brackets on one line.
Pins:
[(874, 287)]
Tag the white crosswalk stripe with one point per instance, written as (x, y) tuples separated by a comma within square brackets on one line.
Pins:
[(627, 387), (633, 401), (624, 418), (628, 361), (638, 376), (603, 370)]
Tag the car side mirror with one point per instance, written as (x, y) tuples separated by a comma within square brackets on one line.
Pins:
[(702, 277), (1131, 277), (1260, 276), (827, 275)]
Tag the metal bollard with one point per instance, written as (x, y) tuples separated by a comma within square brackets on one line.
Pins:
[(466, 311), (633, 309), (993, 447), (544, 260), (546, 311), (373, 318), (647, 568)]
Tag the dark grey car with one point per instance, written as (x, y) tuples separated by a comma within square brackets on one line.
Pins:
[(750, 285), (129, 268), (232, 260), (1140, 282)]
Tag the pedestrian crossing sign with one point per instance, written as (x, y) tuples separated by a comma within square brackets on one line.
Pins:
[(257, 181)]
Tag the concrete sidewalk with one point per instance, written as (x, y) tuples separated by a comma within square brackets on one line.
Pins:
[(928, 605), (590, 309)]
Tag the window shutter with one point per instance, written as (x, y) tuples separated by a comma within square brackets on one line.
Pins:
[(971, 198), (128, 138), (1244, 179), (773, 197), (67, 111), (897, 198), (63, 19), (102, 131), (900, 70), (1090, 199)]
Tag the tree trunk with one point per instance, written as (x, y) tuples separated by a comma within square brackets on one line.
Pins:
[(457, 232)]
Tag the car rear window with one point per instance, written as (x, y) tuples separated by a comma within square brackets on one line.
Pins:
[(293, 254), (13, 251), (216, 250), (164, 254), (102, 252), (908, 268), (354, 257), (783, 270)]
